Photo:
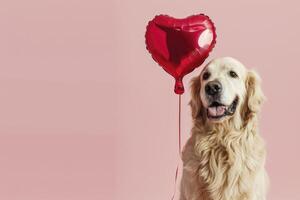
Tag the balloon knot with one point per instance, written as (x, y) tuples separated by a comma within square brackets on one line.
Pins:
[(179, 89)]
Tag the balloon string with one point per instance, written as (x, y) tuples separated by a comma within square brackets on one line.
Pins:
[(179, 126), (179, 144)]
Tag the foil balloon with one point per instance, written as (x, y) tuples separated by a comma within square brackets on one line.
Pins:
[(180, 45)]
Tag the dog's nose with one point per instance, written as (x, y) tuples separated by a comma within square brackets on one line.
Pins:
[(213, 88)]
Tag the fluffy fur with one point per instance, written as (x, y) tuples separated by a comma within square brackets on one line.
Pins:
[(224, 159)]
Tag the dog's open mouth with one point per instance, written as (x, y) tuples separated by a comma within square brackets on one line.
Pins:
[(217, 110)]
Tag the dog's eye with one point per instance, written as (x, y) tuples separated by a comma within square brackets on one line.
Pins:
[(206, 75), (233, 74)]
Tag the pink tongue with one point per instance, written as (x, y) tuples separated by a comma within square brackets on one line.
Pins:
[(216, 111)]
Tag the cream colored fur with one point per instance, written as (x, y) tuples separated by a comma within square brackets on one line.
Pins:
[(225, 160)]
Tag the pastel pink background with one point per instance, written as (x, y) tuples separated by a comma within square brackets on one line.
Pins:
[(85, 113)]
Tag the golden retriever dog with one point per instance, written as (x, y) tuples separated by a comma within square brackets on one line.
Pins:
[(225, 156)]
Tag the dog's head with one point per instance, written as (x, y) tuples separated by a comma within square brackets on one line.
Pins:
[(225, 90)]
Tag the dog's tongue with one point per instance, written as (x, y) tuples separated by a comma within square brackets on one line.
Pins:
[(216, 111)]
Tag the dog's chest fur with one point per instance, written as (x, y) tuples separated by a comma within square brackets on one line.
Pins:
[(226, 163)]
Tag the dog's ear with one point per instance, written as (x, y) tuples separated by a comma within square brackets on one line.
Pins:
[(195, 102), (254, 95)]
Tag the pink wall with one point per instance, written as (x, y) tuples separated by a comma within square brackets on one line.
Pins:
[(85, 113)]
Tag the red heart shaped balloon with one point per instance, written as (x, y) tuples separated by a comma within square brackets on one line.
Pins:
[(180, 45)]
